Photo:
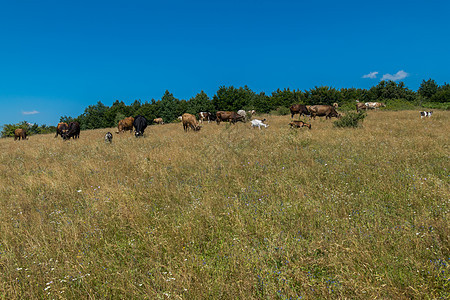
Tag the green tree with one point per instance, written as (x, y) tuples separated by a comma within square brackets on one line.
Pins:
[(428, 88), (168, 105), (352, 94), (262, 103), (134, 107), (184, 107), (66, 119), (148, 110), (201, 102), (390, 90), (232, 99), (283, 98), (322, 95), (94, 116), (118, 111), (443, 94)]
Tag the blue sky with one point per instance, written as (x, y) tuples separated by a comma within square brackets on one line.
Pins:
[(58, 57)]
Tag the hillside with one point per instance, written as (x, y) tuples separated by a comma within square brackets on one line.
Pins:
[(230, 212)]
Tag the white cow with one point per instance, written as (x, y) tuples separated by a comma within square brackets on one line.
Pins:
[(242, 113), (258, 123), (374, 105)]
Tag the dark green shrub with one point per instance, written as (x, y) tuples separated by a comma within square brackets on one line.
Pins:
[(347, 106), (281, 111), (399, 104), (351, 119), (436, 105)]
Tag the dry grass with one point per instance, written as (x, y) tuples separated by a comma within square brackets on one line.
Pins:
[(230, 212)]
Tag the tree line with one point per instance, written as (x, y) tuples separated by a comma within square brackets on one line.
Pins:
[(395, 95)]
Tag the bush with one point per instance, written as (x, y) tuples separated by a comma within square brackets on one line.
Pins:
[(436, 105), (443, 95), (281, 111), (399, 104), (347, 106), (351, 119)]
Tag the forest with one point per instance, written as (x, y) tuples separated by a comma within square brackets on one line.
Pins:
[(396, 95)]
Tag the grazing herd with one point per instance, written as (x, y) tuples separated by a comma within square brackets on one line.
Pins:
[(189, 121)]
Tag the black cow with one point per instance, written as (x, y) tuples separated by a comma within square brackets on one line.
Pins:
[(72, 132), (212, 117), (140, 123)]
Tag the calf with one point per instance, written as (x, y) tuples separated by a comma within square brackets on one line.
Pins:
[(258, 123), (425, 114), (108, 137), (299, 124)]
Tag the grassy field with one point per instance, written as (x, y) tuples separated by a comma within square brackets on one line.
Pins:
[(230, 212)]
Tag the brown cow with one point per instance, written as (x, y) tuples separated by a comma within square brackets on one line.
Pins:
[(360, 106), (323, 110), (189, 121), (299, 109), (20, 133), (158, 121), (204, 116), (61, 128), (231, 116), (125, 124), (298, 124)]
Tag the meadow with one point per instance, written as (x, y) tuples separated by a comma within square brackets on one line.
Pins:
[(230, 212)]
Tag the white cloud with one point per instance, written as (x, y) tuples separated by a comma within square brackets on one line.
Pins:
[(33, 112), (397, 76), (371, 75)]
